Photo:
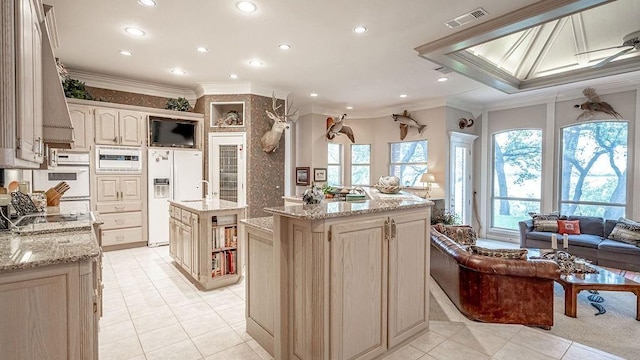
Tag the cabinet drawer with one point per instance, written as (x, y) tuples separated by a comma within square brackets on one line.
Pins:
[(121, 220), (106, 208), (121, 236), (185, 217)]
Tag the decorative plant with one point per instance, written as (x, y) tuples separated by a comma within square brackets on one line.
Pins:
[(442, 216), (179, 104), (76, 89)]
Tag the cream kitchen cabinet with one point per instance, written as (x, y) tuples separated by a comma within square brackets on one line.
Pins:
[(82, 121), (184, 240), (119, 203), (118, 187), (21, 143), (118, 127)]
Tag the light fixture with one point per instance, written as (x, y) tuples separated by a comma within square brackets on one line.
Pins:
[(233, 76), (202, 49), (403, 95), (428, 179), (349, 107), (178, 72), (134, 31), (443, 79), (360, 29), (148, 3), (255, 63), (285, 46), (125, 53), (313, 95), (246, 6)]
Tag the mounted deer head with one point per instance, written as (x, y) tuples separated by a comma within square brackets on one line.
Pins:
[(271, 139)]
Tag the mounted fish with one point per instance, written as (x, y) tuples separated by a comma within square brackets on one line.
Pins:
[(337, 127), (271, 139), (406, 121), (592, 104)]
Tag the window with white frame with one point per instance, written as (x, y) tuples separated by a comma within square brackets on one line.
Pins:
[(517, 180), (360, 164), (334, 164), (408, 161), (593, 176)]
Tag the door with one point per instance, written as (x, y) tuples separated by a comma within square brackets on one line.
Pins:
[(408, 276), (358, 288), (187, 175), (187, 254), (460, 184), (130, 187), (195, 246), (82, 121), (227, 166), (173, 237), (107, 188), (106, 126), (131, 128)]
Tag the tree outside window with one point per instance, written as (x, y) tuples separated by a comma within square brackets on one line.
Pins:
[(408, 161), (334, 164), (360, 164), (594, 169), (517, 186)]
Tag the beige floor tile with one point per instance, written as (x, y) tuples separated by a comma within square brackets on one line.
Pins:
[(513, 351), (217, 341), (262, 353), (406, 352), (127, 348), (241, 329), (160, 338), (427, 357), (149, 296), (181, 300), (224, 300), (204, 324), (579, 352), (113, 317), (451, 350), (143, 286), (445, 328), (184, 350), (140, 310), (154, 322), (190, 311), (238, 352), (428, 341), (480, 340), (233, 315), (112, 333), (542, 342), (506, 331)]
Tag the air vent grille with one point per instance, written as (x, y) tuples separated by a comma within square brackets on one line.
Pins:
[(466, 18)]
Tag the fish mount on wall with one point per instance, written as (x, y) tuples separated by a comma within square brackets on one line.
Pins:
[(337, 127), (406, 121), (593, 104)]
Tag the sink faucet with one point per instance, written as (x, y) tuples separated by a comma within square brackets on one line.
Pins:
[(208, 195)]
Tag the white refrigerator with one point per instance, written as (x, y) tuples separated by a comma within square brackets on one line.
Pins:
[(172, 175)]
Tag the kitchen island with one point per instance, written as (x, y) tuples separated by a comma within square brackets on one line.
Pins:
[(203, 241), (350, 279), (50, 291)]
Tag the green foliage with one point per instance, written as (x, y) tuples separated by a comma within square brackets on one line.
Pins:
[(442, 216), (179, 104), (76, 89)]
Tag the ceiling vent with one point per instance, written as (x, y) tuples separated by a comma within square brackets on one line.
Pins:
[(443, 70), (466, 18)]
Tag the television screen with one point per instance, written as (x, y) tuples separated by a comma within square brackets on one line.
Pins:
[(172, 133)]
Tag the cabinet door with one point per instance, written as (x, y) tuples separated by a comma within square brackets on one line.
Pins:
[(358, 277), (179, 244), (131, 128), (195, 246), (106, 126), (107, 188), (82, 121), (408, 276), (130, 187), (173, 237), (187, 254)]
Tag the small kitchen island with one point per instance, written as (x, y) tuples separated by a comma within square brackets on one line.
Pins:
[(203, 241), (350, 279)]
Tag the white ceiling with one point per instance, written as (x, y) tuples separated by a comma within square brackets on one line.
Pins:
[(367, 71)]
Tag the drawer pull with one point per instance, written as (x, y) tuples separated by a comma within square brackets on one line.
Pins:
[(120, 237), (120, 221), (119, 208)]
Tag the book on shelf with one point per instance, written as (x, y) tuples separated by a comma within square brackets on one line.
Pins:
[(224, 237), (224, 263)]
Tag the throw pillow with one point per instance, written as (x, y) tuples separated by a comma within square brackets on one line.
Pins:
[(462, 234), (545, 222), (627, 231), (569, 227), (512, 254)]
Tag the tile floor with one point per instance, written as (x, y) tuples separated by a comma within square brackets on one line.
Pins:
[(152, 312)]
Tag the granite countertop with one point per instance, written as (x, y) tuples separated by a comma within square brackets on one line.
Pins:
[(261, 223), (204, 206)]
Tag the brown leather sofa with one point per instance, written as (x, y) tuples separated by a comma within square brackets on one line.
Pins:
[(491, 289)]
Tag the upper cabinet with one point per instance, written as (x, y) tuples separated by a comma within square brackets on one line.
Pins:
[(118, 127), (21, 103), (82, 120)]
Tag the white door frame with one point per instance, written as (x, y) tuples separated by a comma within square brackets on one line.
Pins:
[(458, 139), (229, 138)]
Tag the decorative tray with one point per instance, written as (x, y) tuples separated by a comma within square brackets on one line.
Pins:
[(387, 189)]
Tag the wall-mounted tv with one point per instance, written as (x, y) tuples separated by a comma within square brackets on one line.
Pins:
[(171, 132)]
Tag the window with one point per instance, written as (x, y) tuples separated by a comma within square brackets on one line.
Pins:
[(360, 164), (593, 177), (408, 161), (517, 185), (334, 164)]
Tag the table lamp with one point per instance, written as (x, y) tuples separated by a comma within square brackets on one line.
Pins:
[(428, 179)]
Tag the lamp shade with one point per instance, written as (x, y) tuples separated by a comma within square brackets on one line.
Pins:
[(427, 178)]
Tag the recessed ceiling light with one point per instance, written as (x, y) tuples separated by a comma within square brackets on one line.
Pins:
[(285, 46), (313, 95), (403, 95), (233, 76), (360, 29), (349, 107), (443, 79), (149, 3), (255, 63), (178, 72), (134, 31), (246, 6), (202, 49), (125, 53)]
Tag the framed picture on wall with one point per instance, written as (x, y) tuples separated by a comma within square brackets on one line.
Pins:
[(302, 176), (319, 174)]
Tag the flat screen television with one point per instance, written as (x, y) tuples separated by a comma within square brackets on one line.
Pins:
[(171, 132)]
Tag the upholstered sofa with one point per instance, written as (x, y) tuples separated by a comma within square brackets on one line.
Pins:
[(493, 289), (592, 243)]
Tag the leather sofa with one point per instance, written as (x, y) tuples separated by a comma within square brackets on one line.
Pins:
[(492, 289), (592, 243)]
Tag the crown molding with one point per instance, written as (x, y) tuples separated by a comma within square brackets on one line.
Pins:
[(239, 87), (133, 86)]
